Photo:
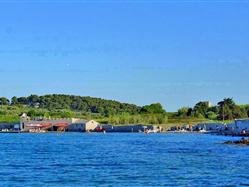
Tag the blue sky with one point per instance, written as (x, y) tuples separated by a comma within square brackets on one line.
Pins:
[(175, 53)]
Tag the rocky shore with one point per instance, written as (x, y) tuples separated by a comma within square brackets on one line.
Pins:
[(242, 141)]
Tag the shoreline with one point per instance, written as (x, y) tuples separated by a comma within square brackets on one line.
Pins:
[(166, 132)]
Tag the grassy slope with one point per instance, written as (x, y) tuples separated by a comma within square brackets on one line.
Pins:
[(10, 114)]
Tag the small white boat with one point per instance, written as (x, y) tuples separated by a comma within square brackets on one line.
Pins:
[(203, 131)]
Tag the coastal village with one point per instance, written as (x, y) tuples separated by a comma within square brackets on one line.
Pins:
[(239, 127), (42, 125)]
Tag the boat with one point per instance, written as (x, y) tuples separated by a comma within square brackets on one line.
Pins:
[(203, 131)]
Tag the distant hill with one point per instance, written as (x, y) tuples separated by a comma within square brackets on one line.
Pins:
[(77, 103)]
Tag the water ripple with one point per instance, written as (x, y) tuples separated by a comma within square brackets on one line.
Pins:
[(76, 159)]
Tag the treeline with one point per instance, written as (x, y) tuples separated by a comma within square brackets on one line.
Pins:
[(226, 109), (109, 111), (74, 103), (67, 106)]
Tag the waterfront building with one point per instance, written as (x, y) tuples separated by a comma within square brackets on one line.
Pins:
[(210, 127), (9, 127), (242, 125), (78, 125), (238, 127), (42, 124), (82, 126), (131, 128)]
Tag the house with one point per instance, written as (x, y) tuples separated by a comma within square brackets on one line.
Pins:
[(43, 125), (24, 118), (91, 125), (82, 126)]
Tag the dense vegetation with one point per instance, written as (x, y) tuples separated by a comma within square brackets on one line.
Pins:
[(108, 111), (67, 106), (76, 103), (226, 109)]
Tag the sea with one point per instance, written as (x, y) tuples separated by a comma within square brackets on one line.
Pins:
[(121, 159)]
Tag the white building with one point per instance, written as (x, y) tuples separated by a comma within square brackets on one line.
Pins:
[(82, 126)]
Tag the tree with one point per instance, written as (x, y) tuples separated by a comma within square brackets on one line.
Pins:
[(155, 108), (200, 109), (77, 103), (239, 112), (14, 100), (246, 109), (4, 101), (211, 115), (184, 112), (22, 100), (214, 109), (33, 100), (226, 108)]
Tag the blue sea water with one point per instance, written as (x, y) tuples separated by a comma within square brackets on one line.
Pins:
[(77, 159)]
